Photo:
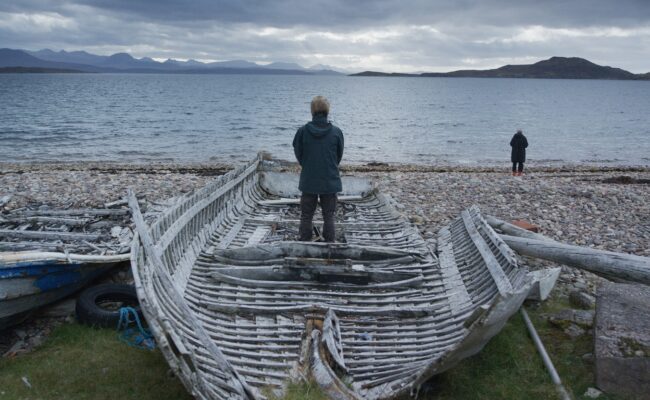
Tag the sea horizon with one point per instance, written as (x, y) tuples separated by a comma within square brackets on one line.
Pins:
[(141, 118)]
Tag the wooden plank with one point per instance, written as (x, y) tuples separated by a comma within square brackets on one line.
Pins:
[(608, 264), (81, 211), (285, 201), (239, 384), (512, 230), (500, 278), (51, 220), (68, 236), (459, 298)]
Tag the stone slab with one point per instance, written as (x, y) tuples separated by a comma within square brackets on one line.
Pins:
[(622, 339)]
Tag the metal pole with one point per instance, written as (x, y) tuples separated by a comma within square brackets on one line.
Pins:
[(547, 360)]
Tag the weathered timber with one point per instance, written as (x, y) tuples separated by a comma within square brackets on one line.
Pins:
[(512, 230), (82, 211), (24, 246), (220, 274), (69, 236), (233, 381), (5, 199), (608, 264), (50, 220), (46, 255)]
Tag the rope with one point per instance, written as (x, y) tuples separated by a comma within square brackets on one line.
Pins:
[(137, 336)]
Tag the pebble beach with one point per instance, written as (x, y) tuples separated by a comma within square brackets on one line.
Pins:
[(604, 208)]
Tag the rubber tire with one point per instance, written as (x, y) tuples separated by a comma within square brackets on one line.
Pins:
[(89, 311)]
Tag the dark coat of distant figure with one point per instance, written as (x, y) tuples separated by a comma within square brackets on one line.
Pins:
[(318, 146), (518, 144)]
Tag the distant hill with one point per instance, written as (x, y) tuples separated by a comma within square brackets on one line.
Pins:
[(36, 70), (553, 68), (124, 62), (230, 64), (375, 73), (327, 69), (19, 58), (78, 57)]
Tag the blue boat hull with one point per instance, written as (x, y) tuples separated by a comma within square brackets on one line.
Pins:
[(25, 286)]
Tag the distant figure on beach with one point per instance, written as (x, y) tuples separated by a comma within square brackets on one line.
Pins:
[(318, 146), (518, 155)]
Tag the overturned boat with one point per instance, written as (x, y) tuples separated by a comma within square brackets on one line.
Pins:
[(240, 308), (48, 254)]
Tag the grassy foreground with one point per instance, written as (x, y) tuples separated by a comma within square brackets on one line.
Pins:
[(83, 363)]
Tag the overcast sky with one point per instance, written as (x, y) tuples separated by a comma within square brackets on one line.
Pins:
[(388, 35)]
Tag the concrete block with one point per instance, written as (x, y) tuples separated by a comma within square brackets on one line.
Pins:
[(622, 339)]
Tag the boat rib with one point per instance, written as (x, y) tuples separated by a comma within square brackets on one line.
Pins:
[(240, 308)]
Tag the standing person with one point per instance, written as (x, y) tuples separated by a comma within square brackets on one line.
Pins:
[(518, 154), (318, 146)]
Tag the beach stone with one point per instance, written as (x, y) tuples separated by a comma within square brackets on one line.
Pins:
[(622, 339), (593, 393), (565, 318), (574, 331), (580, 299)]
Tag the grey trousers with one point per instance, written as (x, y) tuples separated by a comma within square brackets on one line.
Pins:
[(308, 203)]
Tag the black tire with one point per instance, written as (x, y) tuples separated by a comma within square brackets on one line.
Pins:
[(99, 306)]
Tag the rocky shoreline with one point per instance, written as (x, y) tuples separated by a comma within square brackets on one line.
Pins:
[(603, 208)]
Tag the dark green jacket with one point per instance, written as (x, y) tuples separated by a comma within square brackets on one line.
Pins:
[(519, 144), (319, 148)]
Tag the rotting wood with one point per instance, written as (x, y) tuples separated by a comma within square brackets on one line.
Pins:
[(513, 230), (5, 199), (280, 202), (223, 253), (81, 211), (50, 220), (238, 384), (604, 263), (50, 235)]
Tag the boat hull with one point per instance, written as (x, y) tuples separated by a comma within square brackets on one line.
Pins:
[(29, 280), (239, 308)]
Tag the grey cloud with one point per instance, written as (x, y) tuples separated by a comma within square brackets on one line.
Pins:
[(339, 13), (385, 34)]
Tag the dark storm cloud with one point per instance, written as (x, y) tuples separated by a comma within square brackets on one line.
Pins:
[(384, 34), (323, 13)]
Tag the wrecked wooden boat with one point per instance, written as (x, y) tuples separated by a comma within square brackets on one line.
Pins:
[(240, 308), (48, 254)]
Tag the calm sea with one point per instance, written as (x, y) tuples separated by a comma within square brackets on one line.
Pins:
[(187, 118)]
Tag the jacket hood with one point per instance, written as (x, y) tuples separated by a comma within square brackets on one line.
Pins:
[(319, 126)]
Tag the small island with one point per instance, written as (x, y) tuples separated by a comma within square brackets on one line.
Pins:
[(553, 68)]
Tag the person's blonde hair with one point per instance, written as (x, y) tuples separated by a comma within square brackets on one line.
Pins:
[(320, 105)]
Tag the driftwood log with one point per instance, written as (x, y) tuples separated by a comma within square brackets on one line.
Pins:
[(607, 264)]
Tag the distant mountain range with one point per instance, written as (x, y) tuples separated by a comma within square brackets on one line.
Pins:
[(553, 68), (80, 61)]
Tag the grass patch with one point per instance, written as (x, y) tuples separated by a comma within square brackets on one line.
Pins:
[(507, 368), (301, 391), (78, 362)]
